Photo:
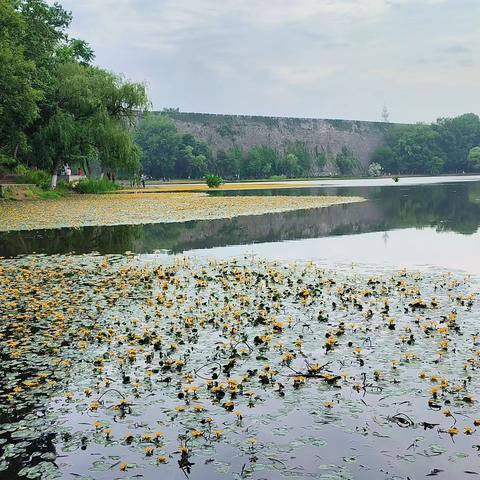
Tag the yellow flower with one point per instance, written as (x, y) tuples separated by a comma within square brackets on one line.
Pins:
[(328, 404), (197, 433), (453, 431), (93, 406), (148, 451), (123, 466), (162, 459), (468, 430)]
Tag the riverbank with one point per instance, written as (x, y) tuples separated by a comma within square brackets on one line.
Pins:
[(133, 209)]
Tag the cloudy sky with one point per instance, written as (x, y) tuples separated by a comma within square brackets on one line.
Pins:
[(308, 58)]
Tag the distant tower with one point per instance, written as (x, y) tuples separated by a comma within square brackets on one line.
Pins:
[(385, 114)]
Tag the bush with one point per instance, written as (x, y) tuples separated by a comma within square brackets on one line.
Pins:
[(213, 181), (374, 169), (7, 162), (95, 185), (40, 178)]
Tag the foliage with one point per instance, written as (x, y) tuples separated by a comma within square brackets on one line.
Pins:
[(55, 106), (167, 153), (443, 146), (18, 98), (374, 169), (95, 185), (213, 181), (259, 162), (40, 178), (346, 162), (474, 158), (7, 162)]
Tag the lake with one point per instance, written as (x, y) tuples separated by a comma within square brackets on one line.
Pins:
[(281, 345), (417, 222)]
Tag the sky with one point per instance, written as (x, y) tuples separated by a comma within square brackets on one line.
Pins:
[(297, 58)]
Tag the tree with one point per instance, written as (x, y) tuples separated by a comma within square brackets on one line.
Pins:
[(417, 151), (456, 137), (346, 162), (384, 157), (290, 165), (160, 144), (18, 99), (94, 111), (474, 158), (259, 162)]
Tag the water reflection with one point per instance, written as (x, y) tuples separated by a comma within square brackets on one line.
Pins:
[(453, 207)]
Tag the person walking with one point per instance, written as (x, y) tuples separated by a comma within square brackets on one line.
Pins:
[(142, 179)]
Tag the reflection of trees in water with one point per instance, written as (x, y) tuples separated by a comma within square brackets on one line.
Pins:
[(449, 207), (445, 207)]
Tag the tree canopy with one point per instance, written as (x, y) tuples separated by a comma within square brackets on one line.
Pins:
[(58, 107), (443, 146)]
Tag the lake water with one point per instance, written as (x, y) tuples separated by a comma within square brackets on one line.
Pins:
[(101, 351), (418, 222)]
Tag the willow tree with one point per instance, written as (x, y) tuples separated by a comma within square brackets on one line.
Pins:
[(92, 119)]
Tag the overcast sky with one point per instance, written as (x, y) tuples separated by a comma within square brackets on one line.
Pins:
[(306, 58)]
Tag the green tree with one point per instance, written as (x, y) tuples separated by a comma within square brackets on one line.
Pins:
[(290, 165), (456, 137), (259, 162), (160, 144), (18, 99), (346, 161), (94, 111), (474, 158)]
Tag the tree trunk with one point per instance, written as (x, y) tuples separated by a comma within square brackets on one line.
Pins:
[(53, 184), (15, 151)]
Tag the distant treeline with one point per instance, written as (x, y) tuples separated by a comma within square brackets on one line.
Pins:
[(448, 145)]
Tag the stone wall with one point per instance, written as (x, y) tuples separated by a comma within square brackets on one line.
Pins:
[(329, 136)]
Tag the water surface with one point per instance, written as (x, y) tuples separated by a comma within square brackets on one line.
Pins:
[(416, 222)]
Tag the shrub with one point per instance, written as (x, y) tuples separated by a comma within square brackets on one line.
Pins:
[(95, 185), (7, 162), (374, 169), (40, 178), (213, 181)]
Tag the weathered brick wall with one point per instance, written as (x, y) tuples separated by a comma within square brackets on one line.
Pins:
[(224, 131)]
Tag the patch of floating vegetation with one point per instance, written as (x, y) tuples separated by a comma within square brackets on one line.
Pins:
[(136, 209), (123, 366)]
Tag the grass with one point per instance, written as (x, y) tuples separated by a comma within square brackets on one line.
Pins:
[(95, 185)]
